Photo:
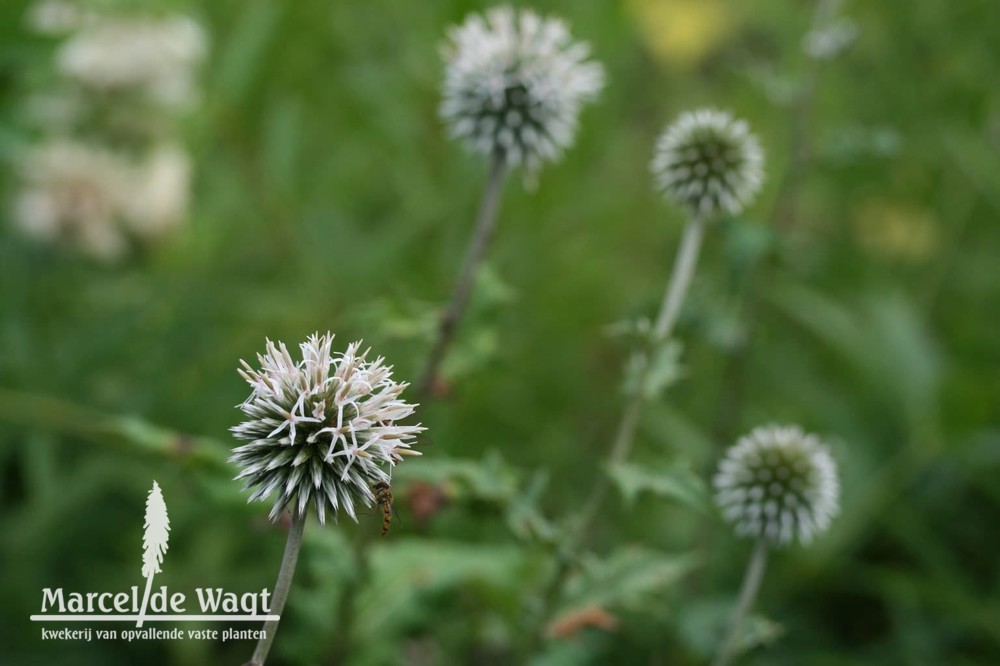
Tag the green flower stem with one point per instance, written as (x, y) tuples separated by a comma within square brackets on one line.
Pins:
[(125, 433), (281, 588), (483, 233), (673, 299), (751, 585)]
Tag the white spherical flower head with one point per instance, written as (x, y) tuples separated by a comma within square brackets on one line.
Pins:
[(778, 483), (709, 162), (321, 430), (514, 85)]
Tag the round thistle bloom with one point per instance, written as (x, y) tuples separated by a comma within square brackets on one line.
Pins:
[(515, 83), (708, 162), (321, 429), (778, 483)]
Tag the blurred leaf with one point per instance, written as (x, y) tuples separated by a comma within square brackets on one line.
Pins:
[(847, 145), (884, 340), (397, 319), (241, 55), (705, 621), (649, 376), (630, 578), (524, 517), (488, 480), (676, 482), (407, 572)]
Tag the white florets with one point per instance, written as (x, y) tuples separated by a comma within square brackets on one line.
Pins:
[(515, 83), (778, 483), (322, 429), (155, 56), (99, 201), (709, 162)]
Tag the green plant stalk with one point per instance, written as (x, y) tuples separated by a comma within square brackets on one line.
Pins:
[(126, 433), (281, 588), (478, 244), (748, 593), (673, 298)]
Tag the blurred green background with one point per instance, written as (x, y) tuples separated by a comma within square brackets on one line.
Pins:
[(858, 297)]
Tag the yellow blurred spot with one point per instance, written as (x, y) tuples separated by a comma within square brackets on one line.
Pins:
[(682, 32), (895, 231)]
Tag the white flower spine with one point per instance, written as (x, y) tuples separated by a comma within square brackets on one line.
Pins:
[(709, 162), (514, 85), (322, 430), (778, 483)]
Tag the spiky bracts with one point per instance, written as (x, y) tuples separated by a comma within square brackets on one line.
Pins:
[(708, 162), (321, 430), (778, 483), (514, 85)]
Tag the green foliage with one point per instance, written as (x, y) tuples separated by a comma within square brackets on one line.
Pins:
[(858, 298), (632, 578), (676, 482)]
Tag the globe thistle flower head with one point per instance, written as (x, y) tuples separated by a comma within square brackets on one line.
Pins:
[(321, 430), (708, 162), (778, 483), (514, 85)]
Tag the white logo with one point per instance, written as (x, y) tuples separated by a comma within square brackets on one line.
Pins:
[(160, 605), (154, 542)]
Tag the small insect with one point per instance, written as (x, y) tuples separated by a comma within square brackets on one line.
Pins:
[(383, 497)]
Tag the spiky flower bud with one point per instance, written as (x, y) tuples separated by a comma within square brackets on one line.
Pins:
[(778, 483), (708, 162), (322, 429), (515, 83)]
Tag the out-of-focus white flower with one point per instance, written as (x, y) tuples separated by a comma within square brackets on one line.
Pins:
[(778, 483), (56, 17), (709, 162), (514, 85), (320, 430), (160, 194), (156, 56), (831, 40), (73, 193), (99, 201)]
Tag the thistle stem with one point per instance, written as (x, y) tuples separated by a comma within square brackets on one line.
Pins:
[(673, 298), (751, 585), (482, 234), (281, 588)]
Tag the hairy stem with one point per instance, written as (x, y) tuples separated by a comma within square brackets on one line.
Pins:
[(751, 585), (281, 587), (483, 232)]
